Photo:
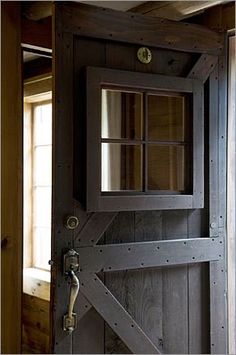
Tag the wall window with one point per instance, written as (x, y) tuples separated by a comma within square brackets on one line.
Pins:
[(37, 178)]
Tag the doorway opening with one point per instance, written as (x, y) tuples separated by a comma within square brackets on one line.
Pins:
[(37, 154)]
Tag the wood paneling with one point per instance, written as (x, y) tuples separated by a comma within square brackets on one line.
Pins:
[(11, 185), (35, 325)]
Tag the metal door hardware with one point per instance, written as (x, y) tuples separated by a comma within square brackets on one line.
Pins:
[(71, 222), (71, 266), (144, 55)]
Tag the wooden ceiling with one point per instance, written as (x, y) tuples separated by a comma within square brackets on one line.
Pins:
[(173, 10)]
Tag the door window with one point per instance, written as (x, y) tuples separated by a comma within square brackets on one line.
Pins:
[(145, 138)]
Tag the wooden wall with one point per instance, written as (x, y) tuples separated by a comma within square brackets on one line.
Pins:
[(11, 186), (35, 325)]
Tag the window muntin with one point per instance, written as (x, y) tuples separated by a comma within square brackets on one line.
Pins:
[(159, 123)]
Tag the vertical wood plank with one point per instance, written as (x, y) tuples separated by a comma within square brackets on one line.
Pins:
[(217, 188), (120, 283), (198, 311), (147, 286), (175, 290), (62, 191), (12, 176), (89, 335), (231, 196)]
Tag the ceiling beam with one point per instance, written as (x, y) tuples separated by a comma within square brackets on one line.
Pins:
[(175, 10), (36, 10)]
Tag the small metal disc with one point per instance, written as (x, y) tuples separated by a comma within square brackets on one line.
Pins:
[(144, 55)]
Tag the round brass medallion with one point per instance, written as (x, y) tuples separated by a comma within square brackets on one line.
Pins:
[(144, 55)]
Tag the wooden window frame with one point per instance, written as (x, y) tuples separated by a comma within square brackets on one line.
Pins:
[(96, 79)]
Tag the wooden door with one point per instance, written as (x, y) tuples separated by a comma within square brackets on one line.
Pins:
[(131, 299)]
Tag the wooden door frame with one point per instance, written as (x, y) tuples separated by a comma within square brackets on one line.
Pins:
[(104, 26), (11, 184)]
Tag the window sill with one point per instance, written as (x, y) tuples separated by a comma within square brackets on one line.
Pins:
[(36, 282)]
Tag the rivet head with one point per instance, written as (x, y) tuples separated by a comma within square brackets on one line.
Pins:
[(144, 55), (213, 225), (71, 222)]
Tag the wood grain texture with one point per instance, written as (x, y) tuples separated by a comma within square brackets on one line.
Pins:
[(175, 290), (147, 284), (37, 33), (116, 315), (203, 68), (120, 283), (217, 190), (11, 183), (134, 28), (174, 10), (218, 18), (173, 328), (91, 325), (198, 288), (36, 325), (231, 195), (62, 191)]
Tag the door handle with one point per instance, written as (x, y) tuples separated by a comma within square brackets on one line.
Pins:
[(71, 266)]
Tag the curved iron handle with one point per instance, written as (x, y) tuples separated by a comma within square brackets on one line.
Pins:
[(70, 320)]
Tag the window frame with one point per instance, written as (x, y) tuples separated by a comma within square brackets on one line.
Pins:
[(37, 91), (98, 78)]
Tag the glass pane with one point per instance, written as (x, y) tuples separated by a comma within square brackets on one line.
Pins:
[(43, 165), (121, 167), (42, 207), (43, 124), (167, 167), (121, 114), (166, 118), (42, 247)]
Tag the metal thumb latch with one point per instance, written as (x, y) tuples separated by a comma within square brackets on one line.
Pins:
[(71, 266)]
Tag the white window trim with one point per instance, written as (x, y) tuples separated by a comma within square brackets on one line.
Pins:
[(36, 282)]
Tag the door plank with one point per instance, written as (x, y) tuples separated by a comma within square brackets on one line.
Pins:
[(89, 335), (217, 188), (147, 308), (120, 284), (134, 28), (175, 290), (198, 280), (204, 67), (62, 199), (115, 315), (140, 255), (94, 229)]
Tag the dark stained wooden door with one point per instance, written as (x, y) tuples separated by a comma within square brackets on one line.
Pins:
[(131, 301)]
